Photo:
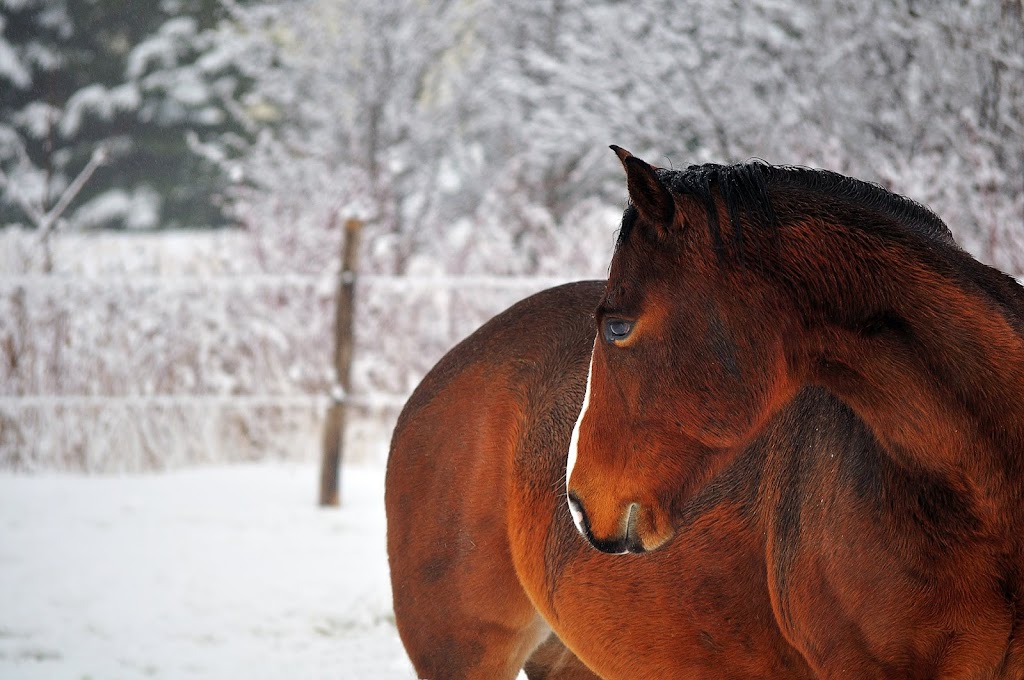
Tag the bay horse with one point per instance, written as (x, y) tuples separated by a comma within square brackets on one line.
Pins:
[(789, 422)]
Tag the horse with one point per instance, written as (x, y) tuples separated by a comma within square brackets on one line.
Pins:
[(780, 441)]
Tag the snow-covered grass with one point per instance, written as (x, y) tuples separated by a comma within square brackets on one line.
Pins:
[(205, 573)]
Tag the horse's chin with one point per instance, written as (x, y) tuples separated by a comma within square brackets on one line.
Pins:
[(649, 544), (653, 535)]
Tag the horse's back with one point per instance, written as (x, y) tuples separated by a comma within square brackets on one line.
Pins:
[(458, 603)]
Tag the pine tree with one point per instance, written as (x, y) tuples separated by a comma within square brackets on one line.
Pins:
[(129, 79)]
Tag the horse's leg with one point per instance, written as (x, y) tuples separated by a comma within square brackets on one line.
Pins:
[(553, 661), (459, 606)]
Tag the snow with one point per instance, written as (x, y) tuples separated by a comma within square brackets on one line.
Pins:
[(136, 209), (164, 48), (36, 119), (204, 573), (11, 67), (101, 101)]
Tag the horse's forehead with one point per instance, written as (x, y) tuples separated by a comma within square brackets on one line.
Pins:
[(643, 295), (641, 256), (628, 274)]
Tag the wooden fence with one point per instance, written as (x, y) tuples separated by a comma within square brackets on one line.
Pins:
[(146, 372)]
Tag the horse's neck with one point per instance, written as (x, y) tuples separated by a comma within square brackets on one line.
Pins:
[(933, 367)]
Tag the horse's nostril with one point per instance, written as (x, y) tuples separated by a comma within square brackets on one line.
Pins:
[(631, 514), (632, 541)]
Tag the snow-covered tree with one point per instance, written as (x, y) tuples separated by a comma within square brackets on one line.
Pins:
[(362, 115), (476, 132), (126, 80), (926, 98)]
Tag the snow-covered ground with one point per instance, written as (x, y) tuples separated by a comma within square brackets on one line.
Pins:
[(221, 572)]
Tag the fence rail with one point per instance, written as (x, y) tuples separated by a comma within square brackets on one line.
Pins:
[(270, 280), (15, 401), (119, 372)]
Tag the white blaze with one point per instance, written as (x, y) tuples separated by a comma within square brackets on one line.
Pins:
[(574, 442)]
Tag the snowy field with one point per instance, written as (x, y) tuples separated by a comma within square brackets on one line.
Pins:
[(207, 573)]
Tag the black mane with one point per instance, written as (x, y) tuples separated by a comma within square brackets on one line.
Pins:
[(764, 196), (752, 190)]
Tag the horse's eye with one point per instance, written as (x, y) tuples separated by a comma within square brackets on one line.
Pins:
[(617, 329)]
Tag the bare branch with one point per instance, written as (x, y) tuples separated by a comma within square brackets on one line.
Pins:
[(98, 158)]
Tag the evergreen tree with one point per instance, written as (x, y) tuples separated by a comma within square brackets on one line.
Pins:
[(129, 78)]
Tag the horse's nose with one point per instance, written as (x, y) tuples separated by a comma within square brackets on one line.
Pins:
[(579, 517), (624, 539)]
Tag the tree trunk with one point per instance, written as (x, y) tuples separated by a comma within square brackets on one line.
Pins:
[(334, 425)]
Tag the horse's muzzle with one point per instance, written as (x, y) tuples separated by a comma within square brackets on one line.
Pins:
[(627, 540)]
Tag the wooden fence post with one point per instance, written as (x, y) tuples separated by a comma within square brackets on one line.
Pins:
[(334, 424)]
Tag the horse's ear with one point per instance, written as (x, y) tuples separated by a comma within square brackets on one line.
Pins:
[(621, 153), (649, 196)]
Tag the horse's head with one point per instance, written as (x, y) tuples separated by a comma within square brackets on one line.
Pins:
[(687, 363)]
